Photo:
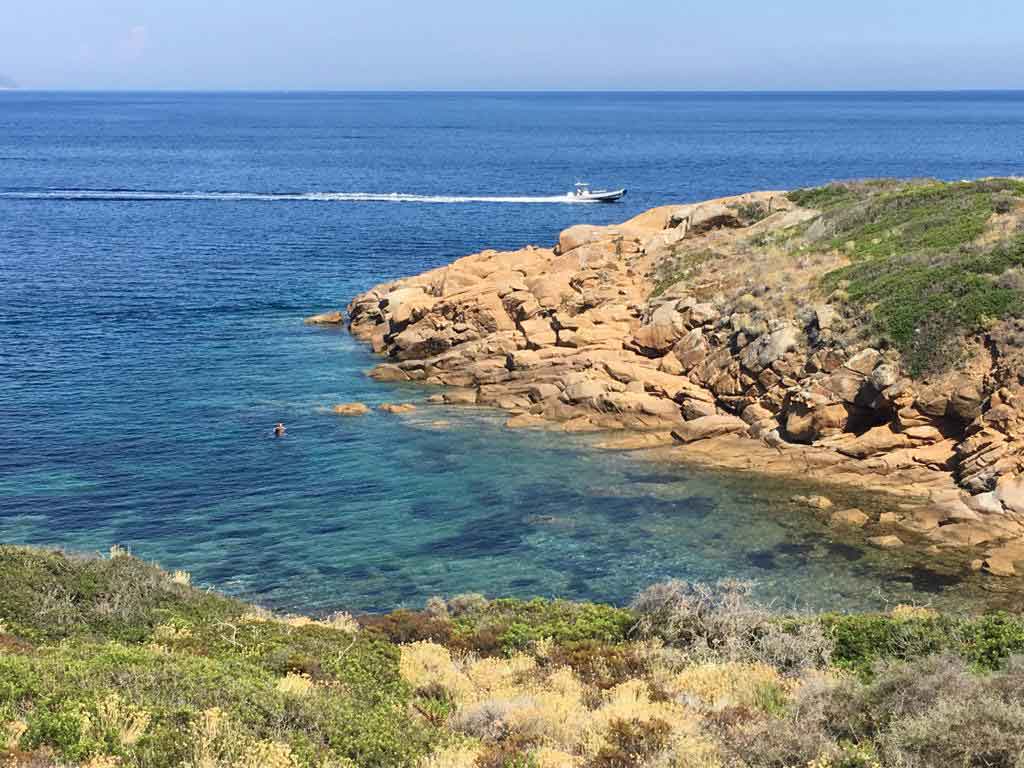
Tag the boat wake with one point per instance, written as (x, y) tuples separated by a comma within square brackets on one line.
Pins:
[(131, 195)]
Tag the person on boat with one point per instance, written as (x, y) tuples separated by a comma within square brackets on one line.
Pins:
[(279, 429)]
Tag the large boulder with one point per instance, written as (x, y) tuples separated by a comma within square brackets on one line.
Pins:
[(845, 385), (582, 390), (538, 332), (691, 350), (864, 362), (658, 336), (875, 441), (552, 289), (482, 312), (421, 340), (713, 215), (810, 418), (1010, 493), (578, 235), (639, 402), (698, 409), (768, 348), (965, 402), (350, 409), (406, 305), (708, 426)]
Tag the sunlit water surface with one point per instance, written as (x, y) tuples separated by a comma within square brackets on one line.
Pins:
[(157, 254)]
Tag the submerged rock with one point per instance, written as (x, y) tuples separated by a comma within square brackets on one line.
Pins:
[(350, 409), (852, 517), (326, 318), (815, 502), (886, 542), (396, 407)]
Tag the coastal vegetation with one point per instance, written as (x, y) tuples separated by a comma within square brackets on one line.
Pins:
[(922, 274), (112, 661)]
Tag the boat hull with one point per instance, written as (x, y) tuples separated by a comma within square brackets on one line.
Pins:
[(601, 197)]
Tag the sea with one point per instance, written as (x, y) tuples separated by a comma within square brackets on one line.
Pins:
[(159, 251)]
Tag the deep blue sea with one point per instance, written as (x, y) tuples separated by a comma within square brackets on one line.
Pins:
[(158, 252)]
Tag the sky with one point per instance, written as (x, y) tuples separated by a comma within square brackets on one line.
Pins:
[(512, 45)]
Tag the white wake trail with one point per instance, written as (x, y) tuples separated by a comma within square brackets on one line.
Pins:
[(322, 197)]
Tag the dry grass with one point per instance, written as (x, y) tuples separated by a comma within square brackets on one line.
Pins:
[(215, 742), (127, 722), (567, 721), (729, 684), (12, 733), (294, 684), (454, 756)]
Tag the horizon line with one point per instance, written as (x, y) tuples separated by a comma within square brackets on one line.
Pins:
[(428, 91)]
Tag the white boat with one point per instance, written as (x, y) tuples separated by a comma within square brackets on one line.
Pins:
[(584, 194)]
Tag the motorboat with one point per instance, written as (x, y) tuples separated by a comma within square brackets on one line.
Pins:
[(584, 194)]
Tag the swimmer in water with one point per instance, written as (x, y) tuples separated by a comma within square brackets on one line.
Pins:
[(279, 429)]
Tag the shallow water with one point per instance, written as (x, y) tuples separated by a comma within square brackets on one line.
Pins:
[(157, 254)]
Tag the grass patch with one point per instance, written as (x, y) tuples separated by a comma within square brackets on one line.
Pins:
[(679, 267), (862, 641), (917, 274)]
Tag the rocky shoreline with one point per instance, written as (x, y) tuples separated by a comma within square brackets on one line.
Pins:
[(701, 332)]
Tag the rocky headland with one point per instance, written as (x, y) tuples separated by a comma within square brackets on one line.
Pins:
[(864, 334)]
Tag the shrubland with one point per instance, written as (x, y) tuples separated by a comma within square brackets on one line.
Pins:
[(112, 661), (928, 261)]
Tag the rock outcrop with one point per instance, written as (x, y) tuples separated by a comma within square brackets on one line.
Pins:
[(670, 324), (326, 318)]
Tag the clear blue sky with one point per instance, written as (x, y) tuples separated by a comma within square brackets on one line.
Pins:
[(513, 44)]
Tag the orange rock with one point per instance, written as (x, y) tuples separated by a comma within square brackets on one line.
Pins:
[(396, 407), (326, 318), (351, 409)]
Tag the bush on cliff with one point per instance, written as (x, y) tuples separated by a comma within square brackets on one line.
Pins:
[(921, 272)]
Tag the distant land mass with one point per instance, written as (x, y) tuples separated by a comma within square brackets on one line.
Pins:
[(6, 84)]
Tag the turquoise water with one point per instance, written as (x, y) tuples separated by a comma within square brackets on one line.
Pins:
[(157, 255)]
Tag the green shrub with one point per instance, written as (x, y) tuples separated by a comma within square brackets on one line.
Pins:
[(752, 212), (683, 264), (599, 664), (360, 714), (404, 626), (49, 595), (507, 625), (860, 640), (754, 741), (916, 273), (990, 640), (513, 752)]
